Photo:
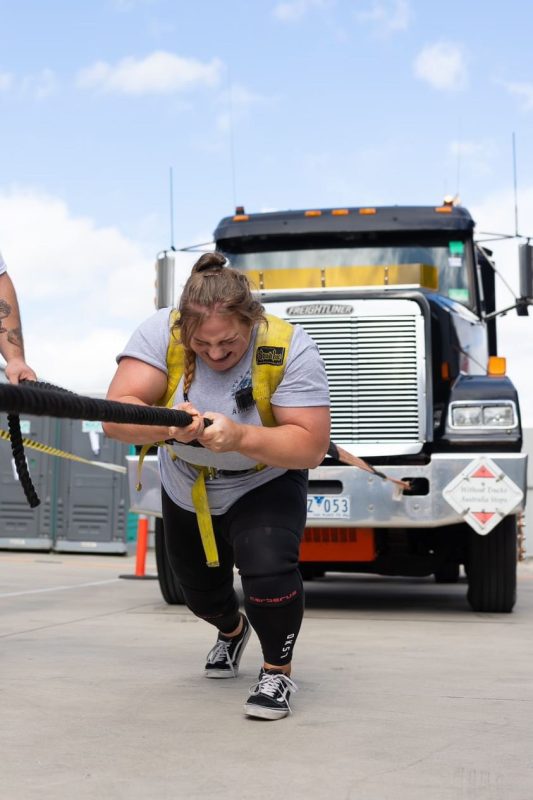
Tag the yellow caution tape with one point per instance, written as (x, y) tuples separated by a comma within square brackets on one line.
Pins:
[(53, 451)]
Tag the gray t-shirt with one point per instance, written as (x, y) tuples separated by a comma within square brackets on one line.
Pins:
[(304, 384)]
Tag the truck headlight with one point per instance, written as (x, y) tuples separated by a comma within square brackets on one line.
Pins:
[(483, 415), (501, 416), (467, 416)]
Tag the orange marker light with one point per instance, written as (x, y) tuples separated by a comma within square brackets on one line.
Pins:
[(313, 213), (445, 371), (340, 212), (240, 217), (444, 209), (497, 365), (367, 210)]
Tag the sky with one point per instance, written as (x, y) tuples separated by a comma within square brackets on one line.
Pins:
[(271, 105)]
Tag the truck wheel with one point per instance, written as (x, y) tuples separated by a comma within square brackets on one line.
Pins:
[(169, 585), (492, 561), (447, 573)]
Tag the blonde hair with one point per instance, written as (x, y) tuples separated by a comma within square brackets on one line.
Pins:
[(213, 286)]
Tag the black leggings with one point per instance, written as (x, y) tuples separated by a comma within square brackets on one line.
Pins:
[(260, 534)]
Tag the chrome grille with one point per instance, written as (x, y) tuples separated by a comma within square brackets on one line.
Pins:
[(376, 376)]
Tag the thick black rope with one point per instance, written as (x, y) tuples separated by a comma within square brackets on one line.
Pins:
[(21, 465), (31, 399), (45, 399)]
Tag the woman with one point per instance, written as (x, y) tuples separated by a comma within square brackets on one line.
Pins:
[(256, 475)]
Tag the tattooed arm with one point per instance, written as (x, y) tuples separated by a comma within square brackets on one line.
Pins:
[(11, 341)]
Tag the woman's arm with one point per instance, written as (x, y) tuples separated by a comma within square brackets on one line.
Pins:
[(11, 341), (139, 383), (300, 440)]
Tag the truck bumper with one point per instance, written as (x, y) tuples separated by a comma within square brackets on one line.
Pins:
[(374, 502)]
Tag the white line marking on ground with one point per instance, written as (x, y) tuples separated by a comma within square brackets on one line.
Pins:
[(59, 588)]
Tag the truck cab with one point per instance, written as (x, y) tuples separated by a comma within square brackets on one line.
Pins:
[(401, 303), (397, 299)]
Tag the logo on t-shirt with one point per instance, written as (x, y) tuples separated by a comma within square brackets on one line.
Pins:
[(270, 355)]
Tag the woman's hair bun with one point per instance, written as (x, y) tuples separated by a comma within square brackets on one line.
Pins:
[(212, 262)]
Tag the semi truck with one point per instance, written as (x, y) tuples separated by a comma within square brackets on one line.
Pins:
[(401, 302)]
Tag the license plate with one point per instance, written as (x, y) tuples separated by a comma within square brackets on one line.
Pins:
[(323, 506)]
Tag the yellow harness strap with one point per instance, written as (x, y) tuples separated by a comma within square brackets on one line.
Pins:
[(203, 517), (268, 366), (175, 362)]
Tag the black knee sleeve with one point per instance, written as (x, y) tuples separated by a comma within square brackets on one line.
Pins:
[(275, 605), (219, 607), (266, 551), (272, 591), (267, 558)]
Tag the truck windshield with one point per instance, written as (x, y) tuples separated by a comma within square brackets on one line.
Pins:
[(451, 258)]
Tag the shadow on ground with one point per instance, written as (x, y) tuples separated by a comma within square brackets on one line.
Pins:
[(376, 593)]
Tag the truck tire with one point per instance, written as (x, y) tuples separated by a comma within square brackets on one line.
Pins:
[(168, 583), (492, 561)]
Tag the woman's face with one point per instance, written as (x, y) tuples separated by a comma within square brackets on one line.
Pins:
[(221, 341)]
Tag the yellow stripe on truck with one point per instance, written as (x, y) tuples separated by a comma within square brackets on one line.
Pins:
[(423, 275)]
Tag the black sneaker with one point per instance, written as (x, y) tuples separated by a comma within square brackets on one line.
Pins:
[(269, 698), (223, 659)]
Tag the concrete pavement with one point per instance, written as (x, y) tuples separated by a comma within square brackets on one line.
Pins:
[(404, 693)]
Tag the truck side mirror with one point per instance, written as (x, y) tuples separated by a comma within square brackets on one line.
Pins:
[(525, 265), (164, 281)]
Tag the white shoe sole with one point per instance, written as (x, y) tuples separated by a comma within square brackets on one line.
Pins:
[(221, 673), (227, 673), (262, 712)]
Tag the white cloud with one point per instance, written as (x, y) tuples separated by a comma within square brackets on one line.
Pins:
[(388, 16), (159, 73), (442, 65), (476, 156), (82, 289), (237, 104), (40, 85), (131, 5), (515, 334), (469, 148), (86, 360), (294, 10), (6, 81), (524, 91)]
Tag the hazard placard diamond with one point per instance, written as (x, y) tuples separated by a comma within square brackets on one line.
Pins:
[(483, 494)]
